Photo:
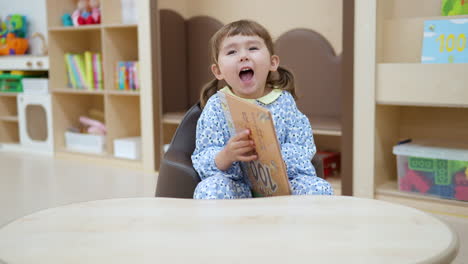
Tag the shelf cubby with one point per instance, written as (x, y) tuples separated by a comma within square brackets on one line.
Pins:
[(67, 110), (111, 12), (123, 118), (121, 45), (9, 129), (69, 41), (9, 132), (8, 106)]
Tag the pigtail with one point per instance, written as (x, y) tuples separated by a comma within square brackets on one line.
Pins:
[(284, 80), (207, 91)]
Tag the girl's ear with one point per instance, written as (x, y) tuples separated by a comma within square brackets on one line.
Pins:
[(217, 72), (274, 63)]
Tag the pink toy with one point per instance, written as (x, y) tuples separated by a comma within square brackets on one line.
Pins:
[(77, 15), (94, 126), (87, 12), (95, 11)]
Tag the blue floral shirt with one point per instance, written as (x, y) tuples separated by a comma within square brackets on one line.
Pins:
[(292, 129)]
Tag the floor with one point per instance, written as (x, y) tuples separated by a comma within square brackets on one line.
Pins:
[(31, 182)]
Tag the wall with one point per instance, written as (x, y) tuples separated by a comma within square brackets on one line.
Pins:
[(35, 11), (278, 16)]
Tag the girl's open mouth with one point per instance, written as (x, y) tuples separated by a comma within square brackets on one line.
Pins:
[(246, 74)]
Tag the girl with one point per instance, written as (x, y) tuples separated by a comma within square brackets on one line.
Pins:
[(243, 57)]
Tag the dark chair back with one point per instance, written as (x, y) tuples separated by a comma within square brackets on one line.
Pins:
[(177, 177)]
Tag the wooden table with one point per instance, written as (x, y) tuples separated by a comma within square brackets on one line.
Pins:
[(293, 229)]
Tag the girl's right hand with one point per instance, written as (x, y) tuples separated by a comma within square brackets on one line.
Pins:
[(238, 148)]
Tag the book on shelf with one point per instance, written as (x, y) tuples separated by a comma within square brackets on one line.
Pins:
[(445, 41), (84, 71), (454, 7), (127, 76), (267, 175)]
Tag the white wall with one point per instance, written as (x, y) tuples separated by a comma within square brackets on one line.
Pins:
[(35, 11)]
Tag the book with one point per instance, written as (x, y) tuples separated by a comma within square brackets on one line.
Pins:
[(267, 175), (445, 41), (454, 7), (89, 78)]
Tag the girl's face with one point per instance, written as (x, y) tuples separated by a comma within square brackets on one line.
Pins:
[(244, 63)]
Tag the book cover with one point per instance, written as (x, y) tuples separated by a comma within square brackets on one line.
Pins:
[(267, 175), (89, 77), (99, 72), (454, 7), (71, 77), (445, 41)]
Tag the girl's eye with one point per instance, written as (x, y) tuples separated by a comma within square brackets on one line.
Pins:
[(253, 48), (231, 52)]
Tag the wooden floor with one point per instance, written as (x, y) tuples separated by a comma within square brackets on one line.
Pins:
[(32, 182)]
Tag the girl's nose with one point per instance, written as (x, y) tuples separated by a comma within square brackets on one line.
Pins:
[(244, 58)]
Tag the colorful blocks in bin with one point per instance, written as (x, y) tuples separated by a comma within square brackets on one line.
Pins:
[(461, 193), (435, 171)]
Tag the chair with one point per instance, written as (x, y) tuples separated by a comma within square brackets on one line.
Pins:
[(177, 177)]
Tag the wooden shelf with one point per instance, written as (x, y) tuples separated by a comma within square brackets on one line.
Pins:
[(329, 126), (72, 29), (408, 84), (173, 118), (8, 94), (389, 192), (119, 26), (75, 91), (125, 93), (13, 119)]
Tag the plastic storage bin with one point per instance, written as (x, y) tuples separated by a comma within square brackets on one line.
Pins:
[(436, 171), (85, 142), (128, 148)]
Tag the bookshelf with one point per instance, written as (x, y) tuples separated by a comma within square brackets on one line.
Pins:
[(398, 97), (124, 111)]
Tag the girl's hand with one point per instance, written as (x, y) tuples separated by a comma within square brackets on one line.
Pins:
[(238, 148)]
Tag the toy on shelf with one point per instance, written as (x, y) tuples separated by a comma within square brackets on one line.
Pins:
[(13, 35), (95, 11), (15, 24), (87, 13), (67, 20), (44, 49), (14, 45)]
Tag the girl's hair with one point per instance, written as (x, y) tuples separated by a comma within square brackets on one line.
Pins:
[(282, 78)]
